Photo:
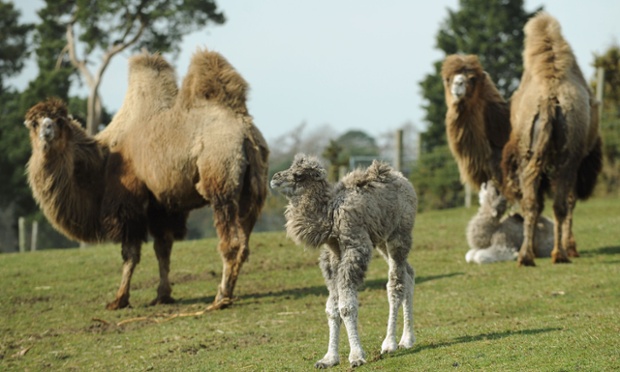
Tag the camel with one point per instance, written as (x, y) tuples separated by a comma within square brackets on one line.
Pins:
[(167, 151), (555, 145), (493, 237), (368, 208), (477, 120)]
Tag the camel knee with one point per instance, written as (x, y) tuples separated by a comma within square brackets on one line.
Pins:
[(348, 311)]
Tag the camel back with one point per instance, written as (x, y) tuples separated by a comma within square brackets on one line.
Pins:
[(212, 78)]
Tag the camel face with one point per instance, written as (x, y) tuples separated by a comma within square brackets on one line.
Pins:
[(44, 131), (282, 184), (458, 87), (48, 130), (490, 197), (302, 171)]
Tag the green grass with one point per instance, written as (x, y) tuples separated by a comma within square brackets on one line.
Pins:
[(496, 317)]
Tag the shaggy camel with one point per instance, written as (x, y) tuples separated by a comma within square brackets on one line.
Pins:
[(555, 145), (165, 153), (477, 120), (494, 238), (367, 208)]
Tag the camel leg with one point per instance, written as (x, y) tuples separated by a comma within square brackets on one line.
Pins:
[(163, 247), (351, 273), (329, 267), (398, 286), (531, 206), (571, 244), (131, 258), (563, 202), (408, 338), (233, 247)]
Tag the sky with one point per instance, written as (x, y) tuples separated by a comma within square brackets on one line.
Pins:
[(341, 65)]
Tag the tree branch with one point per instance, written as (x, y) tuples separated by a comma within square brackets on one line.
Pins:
[(70, 49)]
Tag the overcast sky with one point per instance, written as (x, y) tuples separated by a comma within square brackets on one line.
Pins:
[(352, 64)]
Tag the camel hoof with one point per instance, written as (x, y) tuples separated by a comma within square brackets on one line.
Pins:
[(222, 303), (357, 363), (118, 304), (526, 262), (572, 253), (323, 365), (163, 300), (560, 260)]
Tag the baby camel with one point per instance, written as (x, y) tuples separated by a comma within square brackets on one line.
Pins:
[(492, 238), (369, 208)]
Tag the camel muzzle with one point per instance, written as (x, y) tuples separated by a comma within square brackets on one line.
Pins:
[(47, 132)]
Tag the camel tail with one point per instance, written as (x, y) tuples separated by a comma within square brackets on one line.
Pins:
[(547, 55), (255, 180), (589, 169), (211, 77)]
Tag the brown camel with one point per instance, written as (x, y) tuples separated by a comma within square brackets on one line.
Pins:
[(477, 120), (555, 145), (165, 153)]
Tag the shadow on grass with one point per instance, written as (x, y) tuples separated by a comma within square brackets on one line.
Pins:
[(381, 283), (603, 250), (297, 293), (480, 337)]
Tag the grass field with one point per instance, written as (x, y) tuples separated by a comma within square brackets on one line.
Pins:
[(496, 317)]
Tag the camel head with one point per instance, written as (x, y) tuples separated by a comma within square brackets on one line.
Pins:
[(47, 122), (460, 77), (304, 172), (490, 197)]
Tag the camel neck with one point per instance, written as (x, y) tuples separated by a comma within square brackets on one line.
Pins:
[(308, 215)]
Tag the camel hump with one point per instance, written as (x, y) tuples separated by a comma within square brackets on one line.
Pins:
[(547, 54), (378, 171), (211, 77), (147, 61)]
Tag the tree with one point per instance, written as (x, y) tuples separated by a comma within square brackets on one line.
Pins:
[(102, 29), (610, 118), (13, 42)]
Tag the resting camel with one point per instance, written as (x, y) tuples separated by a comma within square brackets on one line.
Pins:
[(166, 152), (493, 237), (477, 120), (375, 207), (555, 145)]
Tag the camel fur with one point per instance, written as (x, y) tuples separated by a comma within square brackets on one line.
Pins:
[(493, 237), (555, 145), (167, 151), (368, 208), (477, 120)]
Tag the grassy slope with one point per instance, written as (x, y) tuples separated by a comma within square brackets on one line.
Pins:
[(494, 317)]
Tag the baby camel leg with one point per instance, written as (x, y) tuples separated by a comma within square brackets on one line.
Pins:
[(351, 273), (131, 258), (329, 266), (408, 338), (399, 291)]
